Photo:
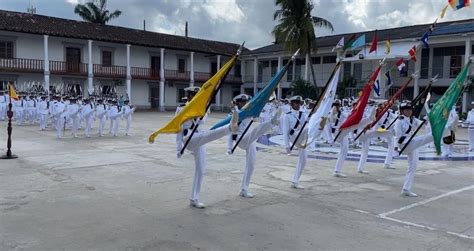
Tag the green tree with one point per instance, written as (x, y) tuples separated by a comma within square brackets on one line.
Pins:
[(296, 27), (303, 89), (95, 11)]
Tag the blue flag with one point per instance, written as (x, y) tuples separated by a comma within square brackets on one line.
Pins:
[(359, 42), (427, 34), (389, 79), (256, 104)]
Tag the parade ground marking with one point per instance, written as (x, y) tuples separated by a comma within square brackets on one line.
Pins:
[(423, 202)]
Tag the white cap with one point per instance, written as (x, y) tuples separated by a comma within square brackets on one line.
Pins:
[(241, 97), (192, 89), (296, 98)]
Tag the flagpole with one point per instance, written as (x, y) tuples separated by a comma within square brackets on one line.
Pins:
[(247, 128), (412, 136), (318, 103), (214, 93), (9, 154)]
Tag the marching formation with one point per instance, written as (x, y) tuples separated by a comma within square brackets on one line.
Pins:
[(68, 113)]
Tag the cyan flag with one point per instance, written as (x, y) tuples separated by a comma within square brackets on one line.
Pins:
[(359, 42), (256, 104)]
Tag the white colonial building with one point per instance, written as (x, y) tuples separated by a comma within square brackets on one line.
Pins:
[(450, 47), (152, 68)]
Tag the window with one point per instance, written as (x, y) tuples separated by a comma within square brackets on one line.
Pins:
[(181, 65), (316, 60), (213, 67), (180, 94), (289, 73), (106, 58), (237, 72), (425, 59), (347, 70), (455, 66), (6, 49), (274, 67), (358, 71), (329, 59)]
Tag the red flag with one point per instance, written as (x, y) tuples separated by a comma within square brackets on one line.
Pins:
[(358, 111), (374, 43), (412, 53), (400, 64)]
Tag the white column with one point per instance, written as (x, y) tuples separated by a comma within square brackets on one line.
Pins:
[(162, 80), (306, 67), (242, 73), (467, 55), (191, 69), (255, 75), (218, 95), (279, 84), (129, 75), (90, 72), (46, 63), (416, 87)]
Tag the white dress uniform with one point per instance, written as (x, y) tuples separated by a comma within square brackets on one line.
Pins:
[(18, 110), (3, 106), (127, 116), (368, 116), (101, 114), (404, 128), (43, 111), (248, 143), (58, 112), (470, 129), (87, 113), (453, 118), (292, 124), (378, 130), (73, 112), (114, 114), (196, 145)]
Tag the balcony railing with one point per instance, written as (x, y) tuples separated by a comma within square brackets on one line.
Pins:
[(67, 68), (113, 71), (144, 73), (21, 65)]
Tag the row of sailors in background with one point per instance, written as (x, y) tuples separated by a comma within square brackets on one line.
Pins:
[(68, 113)]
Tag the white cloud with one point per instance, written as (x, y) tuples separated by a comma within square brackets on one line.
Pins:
[(225, 10)]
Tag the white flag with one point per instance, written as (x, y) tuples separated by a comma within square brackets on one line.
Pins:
[(324, 108), (339, 44)]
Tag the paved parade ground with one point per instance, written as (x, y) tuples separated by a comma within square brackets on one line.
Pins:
[(121, 193)]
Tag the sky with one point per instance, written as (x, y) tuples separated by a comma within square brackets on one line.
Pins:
[(250, 20)]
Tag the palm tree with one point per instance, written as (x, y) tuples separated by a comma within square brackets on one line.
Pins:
[(296, 27), (95, 11)]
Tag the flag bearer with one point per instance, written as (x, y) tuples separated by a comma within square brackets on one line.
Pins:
[(73, 112), (247, 143), (101, 114), (43, 110), (87, 113), (470, 129), (114, 113), (196, 144), (58, 112), (447, 149), (292, 125), (128, 110)]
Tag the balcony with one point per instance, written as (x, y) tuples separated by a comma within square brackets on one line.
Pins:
[(101, 71), (67, 68), (113, 71), (21, 65)]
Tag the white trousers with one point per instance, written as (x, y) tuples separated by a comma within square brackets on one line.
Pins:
[(88, 128), (342, 153), (248, 144), (43, 121), (470, 133), (447, 150), (366, 138), (128, 122), (196, 144), (413, 155), (59, 126), (102, 125), (3, 111), (115, 125), (75, 125), (302, 154)]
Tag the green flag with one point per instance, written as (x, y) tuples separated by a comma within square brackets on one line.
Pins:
[(439, 114)]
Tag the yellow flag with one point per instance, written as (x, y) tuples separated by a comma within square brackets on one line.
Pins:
[(387, 47), (196, 108), (12, 92), (443, 11)]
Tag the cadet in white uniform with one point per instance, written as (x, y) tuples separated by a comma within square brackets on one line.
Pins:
[(114, 114), (43, 110), (73, 112), (248, 141), (405, 126), (470, 128), (196, 145), (87, 113), (292, 124), (128, 110), (3, 105), (447, 149), (58, 111), (101, 114)]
